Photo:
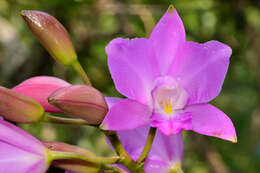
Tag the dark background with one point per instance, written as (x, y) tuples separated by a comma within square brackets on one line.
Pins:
[(93, 23)]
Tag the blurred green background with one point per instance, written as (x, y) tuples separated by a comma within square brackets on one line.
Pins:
[(93, 23)]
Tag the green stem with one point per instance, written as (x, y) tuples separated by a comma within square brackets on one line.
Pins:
[(59, 155), (60, 120), (147, 146), (77, 66), (116, 143)]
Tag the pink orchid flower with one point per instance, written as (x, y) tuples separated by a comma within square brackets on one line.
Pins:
[(168, 82), (20, 152)]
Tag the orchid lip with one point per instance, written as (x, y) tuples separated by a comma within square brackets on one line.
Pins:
[(169, 97)]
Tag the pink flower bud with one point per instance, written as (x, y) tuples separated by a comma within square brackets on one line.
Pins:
[(82, 102), (21, 152), (39, 88), (19, 108), (77, 166), (52, 35)]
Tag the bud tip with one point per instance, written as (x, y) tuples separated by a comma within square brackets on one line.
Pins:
[(171, 8), (22, 13)]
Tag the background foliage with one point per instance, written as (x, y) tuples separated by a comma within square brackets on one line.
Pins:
[(93, 23)]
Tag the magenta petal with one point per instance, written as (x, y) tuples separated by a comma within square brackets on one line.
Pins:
[(14, 160), (39, 88), (125, 115), (209, 120), (111, 101), (155, 166), (19, 151), (131, 67), (173, 125), (15, 136), (166, 38), (201, 69)]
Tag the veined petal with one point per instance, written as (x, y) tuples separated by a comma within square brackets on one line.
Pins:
[(165, 151), (209, 120), (41, 166), (132, 68), (15, 160), (15, 136), (201, 69), (166, 38), (125, 115), (39, 88)]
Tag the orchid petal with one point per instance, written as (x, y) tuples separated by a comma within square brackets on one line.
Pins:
[(15, 136), (209, 120), (166, 38), (172, 125), (131, 67), (111, 101), (125, 115), (19, 151), (201, 69), (39, 88), (15, 160)]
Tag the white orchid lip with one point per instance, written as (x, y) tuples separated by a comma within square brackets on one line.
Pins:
[(169, 97)]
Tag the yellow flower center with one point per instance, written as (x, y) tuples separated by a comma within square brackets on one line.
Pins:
[(168, 107)]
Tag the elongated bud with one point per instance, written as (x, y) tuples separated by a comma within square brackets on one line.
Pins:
[(19, 108), (82, 102), (77, 166), (52, 35), (74, 165)]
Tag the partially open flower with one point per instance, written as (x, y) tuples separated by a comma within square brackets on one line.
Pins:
[(21, 152), (39, 88), (52, 35), (82, 102), (19, 108)]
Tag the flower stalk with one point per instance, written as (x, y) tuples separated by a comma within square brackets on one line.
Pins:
[(79, 69), (61, 120), (112, 169), (117, 145), (147, 146), (60, 155)]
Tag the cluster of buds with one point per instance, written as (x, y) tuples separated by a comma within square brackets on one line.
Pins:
[(159, 79), (35, 99)]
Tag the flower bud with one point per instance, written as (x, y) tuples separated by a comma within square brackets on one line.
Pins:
[(52, 35), (77, 166), (19, 108), (39, 88), (82, 102)]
